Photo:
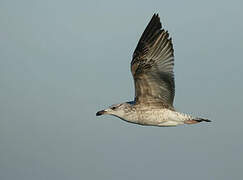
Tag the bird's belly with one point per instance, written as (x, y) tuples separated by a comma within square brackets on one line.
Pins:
[(160, 117)]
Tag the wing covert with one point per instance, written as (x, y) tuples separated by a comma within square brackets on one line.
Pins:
[(152, 66)]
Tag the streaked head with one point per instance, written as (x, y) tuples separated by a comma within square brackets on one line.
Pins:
[(117, 110)]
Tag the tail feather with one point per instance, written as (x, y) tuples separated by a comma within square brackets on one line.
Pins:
[(196, 120), (201, 120)]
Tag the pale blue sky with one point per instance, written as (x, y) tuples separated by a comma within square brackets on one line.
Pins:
[(61, 61)]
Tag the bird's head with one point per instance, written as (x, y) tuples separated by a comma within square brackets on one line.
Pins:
[(119, 110)]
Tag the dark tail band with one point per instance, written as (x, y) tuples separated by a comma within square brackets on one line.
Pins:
[(195, 121), (201, 120)]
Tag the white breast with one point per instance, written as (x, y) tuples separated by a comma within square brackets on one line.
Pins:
[(161, 117)]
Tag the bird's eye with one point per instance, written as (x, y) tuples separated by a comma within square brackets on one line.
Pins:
[(113, 108)]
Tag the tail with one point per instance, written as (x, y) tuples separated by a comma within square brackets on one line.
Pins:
[(201, 120), (196, 120)]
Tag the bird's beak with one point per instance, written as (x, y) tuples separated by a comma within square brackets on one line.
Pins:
[(99, 113)]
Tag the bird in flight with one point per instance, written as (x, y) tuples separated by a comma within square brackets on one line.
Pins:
[(152, 69)]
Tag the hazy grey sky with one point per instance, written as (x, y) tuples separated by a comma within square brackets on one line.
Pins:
[(61, 61)]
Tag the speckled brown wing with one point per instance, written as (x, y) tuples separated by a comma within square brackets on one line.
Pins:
[(152, 66)]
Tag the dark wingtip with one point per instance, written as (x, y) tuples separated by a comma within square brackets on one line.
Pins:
[(156, 15)]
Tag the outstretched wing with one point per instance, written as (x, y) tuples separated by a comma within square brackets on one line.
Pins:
[(152, 66)]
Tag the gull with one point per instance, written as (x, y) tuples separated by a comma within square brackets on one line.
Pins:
[(152, 69)]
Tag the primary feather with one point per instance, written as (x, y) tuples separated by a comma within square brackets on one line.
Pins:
[(152, 66)]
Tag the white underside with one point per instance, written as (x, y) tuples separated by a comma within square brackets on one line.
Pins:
[(157, 117), (170, 123)]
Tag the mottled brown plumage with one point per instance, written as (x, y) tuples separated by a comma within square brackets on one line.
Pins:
[(152, 66), (152, 69)]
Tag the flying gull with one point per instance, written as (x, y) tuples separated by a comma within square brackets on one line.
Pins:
[(152, 69)]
